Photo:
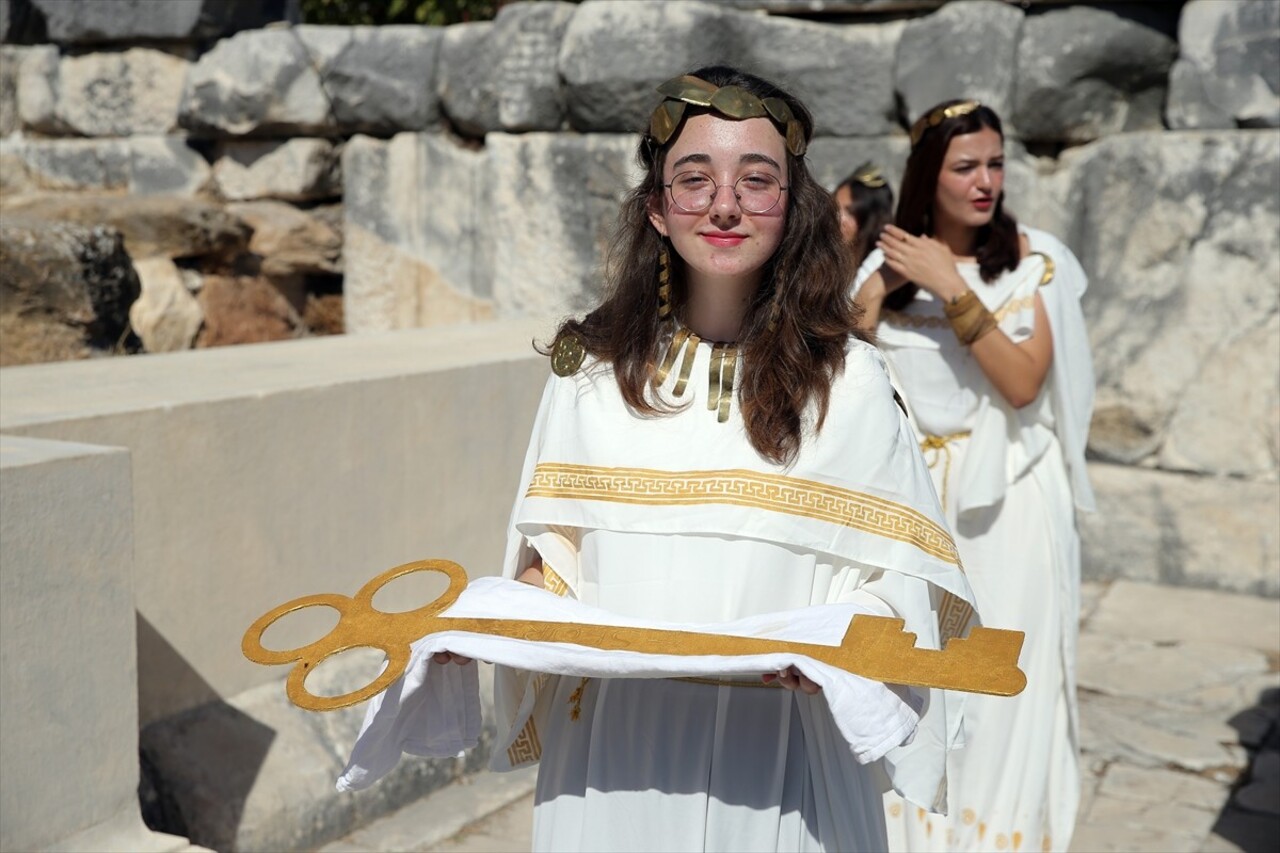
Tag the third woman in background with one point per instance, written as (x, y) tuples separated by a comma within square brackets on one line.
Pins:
[(980, 321), (865, 200)]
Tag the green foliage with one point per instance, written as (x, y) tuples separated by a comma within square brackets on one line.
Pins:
[(373, 12)]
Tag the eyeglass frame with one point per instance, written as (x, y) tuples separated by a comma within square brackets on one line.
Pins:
[(715, 192)]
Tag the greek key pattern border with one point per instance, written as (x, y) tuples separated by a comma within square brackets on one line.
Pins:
[(526, 747), (954, 616), (740, 487)]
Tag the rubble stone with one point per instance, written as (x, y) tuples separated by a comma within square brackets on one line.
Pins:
[(1228, 69), (165, 316), (297, 169), (259, 82), (67, 273), (1083, 73)]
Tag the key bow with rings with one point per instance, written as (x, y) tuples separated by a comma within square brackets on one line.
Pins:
[(875, 647)]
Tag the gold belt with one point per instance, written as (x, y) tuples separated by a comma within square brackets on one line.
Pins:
[(941, 447)]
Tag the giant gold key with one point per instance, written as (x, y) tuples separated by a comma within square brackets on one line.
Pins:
[(875, 647)]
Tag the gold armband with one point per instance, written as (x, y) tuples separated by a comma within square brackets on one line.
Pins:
[(969, 318)]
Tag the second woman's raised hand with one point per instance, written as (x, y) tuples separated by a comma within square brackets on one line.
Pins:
[(924, 260)]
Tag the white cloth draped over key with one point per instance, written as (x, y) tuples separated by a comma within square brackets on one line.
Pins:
[(434, 709)]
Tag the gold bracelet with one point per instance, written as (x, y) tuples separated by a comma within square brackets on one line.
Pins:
[(969, 318)]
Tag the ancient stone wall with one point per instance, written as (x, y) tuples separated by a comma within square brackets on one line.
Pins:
[(212, 174)]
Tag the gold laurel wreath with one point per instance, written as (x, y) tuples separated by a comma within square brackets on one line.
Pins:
[(936, 117), (731, 101)]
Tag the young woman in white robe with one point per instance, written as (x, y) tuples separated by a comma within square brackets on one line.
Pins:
[(718, 442), (980, 321)]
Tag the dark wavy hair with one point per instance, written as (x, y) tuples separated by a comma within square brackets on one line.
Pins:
[(786, 368), (872, 209), (998, 249)]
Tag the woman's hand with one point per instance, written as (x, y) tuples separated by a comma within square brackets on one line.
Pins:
[(450, 657), (531, 575), (792, 679), (924, 260)]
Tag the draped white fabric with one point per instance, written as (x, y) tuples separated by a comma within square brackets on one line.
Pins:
[(678, 518), (434, 710), (1014, 479)]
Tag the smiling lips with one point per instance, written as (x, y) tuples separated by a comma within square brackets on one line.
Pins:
[(722, 238)]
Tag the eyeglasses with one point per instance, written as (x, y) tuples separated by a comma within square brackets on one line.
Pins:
[(694, 192)]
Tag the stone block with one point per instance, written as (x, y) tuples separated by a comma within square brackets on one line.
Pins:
[(1167, 615), (1238, 386), (377, 79), (1183, 530), (1090, 838), (1147, 735), (412, 249), (1162, 786), (553, 202), (102, 93), (167, 226), (166, 316), (1228, 70), (160, 20), (1168, 671), (844, 74), (34, 68), (1159, 820), (259, 82), (616, 53), (467, 95), (75, 275), (63, 164), (166, 165), (10, 64), (68, 666), (504, 75), (1162, 221), (1083, 73), (1228, 699), (963, 50), (293, 170), (139, 165)]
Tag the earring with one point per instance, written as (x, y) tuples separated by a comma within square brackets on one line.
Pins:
[(664, 282)]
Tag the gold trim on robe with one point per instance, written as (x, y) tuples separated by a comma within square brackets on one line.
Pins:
[(741, 487)]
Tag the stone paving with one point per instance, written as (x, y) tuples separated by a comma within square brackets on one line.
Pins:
[(1180, 730)]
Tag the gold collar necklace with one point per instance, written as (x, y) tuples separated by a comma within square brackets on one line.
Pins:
[(724, 361)]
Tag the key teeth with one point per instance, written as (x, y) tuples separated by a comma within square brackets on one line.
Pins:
[(995, 651)]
